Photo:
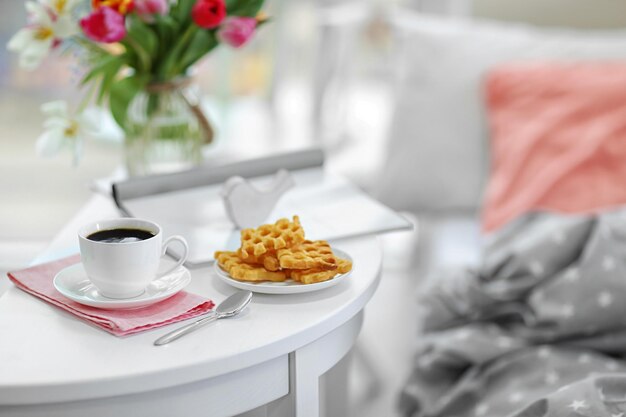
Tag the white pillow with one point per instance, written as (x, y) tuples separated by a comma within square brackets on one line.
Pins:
[(437, 154)]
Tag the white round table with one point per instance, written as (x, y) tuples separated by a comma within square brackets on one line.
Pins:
[(268, 359)]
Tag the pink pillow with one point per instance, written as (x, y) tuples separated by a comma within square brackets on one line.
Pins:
[(558, 139)]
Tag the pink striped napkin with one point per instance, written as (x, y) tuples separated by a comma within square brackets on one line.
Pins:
[(37, 281)]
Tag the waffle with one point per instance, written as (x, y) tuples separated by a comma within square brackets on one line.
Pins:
[(308, 255), (277, 252), (311, 276), (262, 242), (268, 260), (239, 270)]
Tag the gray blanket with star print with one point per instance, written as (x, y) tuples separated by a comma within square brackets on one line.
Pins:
[(539, 329)]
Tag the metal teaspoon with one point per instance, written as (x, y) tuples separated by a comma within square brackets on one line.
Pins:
[(227, 308)]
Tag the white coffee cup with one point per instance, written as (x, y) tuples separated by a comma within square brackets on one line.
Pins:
[(124, 269)]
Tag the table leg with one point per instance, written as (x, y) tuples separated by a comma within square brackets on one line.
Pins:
[(334, 389), (309, 363)]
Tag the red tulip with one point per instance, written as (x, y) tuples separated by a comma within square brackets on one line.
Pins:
[(208, 14), (104, 25)]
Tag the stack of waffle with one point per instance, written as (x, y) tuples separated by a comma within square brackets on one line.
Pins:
[(279, 252)]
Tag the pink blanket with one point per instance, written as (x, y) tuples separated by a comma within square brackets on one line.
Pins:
[(558, 139)]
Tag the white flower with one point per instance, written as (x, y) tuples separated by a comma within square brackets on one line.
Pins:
[(49, 24), (61, 7), (62, 131)]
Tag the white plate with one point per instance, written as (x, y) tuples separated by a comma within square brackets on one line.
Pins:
[(286, 287), (74, 284)]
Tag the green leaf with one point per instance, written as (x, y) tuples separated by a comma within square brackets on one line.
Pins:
[(143, 35), (182, 11), (121, 94), (141, 45), (202, 42), (168, 68), (99, 69), (166, 29), (248, 8), (108, 76), (134, 58)]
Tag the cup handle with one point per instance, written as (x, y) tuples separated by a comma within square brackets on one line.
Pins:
[(183, 257)]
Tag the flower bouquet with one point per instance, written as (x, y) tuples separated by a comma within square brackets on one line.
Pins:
[(137, 56)]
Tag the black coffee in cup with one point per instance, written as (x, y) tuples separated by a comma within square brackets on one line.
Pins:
[(120, 235)]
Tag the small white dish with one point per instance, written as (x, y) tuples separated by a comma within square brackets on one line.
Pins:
[(286, 287), (74, 284)]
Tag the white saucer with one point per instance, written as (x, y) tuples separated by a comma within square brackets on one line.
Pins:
[(74, 284), (286, 287)]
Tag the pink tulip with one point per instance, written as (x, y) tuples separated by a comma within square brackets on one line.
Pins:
[(104, 25), (236, 31), (146, 9)]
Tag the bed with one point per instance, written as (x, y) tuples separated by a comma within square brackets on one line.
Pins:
[(523, 311)]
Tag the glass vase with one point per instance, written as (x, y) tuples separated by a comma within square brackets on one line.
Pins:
[(165, 129)]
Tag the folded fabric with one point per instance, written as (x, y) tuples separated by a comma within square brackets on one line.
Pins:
[(557, 139), (37, 281), (535, 330)]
